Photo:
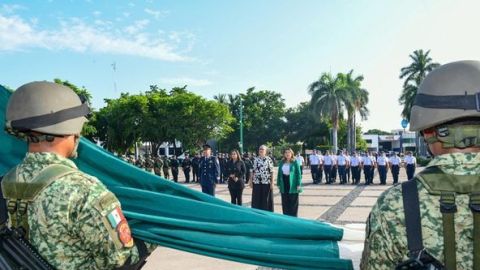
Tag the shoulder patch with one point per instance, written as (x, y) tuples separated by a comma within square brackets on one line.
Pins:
[(114, 220), (125, 234)]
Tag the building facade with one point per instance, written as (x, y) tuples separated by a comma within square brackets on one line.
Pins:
[(398, 141)]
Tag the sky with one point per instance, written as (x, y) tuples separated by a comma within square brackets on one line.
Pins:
[(217, 46)]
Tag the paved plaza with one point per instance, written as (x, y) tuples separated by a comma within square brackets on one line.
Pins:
[(337, 204)]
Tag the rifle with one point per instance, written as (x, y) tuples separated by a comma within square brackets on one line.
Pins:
[(16, 253)]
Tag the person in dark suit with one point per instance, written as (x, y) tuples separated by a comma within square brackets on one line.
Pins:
[(195, 164), (209, 171), (235, 168), (186, 166), (248, 166), (174, 165)]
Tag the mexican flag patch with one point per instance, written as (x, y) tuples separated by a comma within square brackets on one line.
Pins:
[(115, 217)]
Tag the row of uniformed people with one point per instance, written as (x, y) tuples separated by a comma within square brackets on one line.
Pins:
[(159, 165), (346, 166)]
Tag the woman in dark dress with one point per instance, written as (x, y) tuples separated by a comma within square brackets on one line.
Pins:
[(235, 169)]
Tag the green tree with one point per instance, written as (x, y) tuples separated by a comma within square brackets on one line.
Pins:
[(120, 124), (378, 132), (414, 74), (263, 118), (302, 126), (193, 119), (328, 100), (159, 116)]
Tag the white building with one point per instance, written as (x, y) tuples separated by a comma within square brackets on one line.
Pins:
[(398, 141)]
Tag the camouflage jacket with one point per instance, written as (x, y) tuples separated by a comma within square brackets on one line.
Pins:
[(386, 242), (70, 222)]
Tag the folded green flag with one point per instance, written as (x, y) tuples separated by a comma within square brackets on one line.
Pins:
[(165, 213)]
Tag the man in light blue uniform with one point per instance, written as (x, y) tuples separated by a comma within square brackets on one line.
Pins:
[(394, 162), (341, 165), (382, 163), (355, 161)]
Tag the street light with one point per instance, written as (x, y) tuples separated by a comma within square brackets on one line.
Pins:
[(404, 124), (241, 126)]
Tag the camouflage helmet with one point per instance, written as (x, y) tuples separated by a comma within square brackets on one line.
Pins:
[(47, 108), (450, 92)]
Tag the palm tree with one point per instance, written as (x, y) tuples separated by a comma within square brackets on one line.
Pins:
[(407, 98), (328, 99), (357, 102), (221, 98), (414, 74)]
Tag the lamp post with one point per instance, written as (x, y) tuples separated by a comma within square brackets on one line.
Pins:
[(404, 124), (241, 126)]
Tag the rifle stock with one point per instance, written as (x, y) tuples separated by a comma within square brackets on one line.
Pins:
[(17, 253)]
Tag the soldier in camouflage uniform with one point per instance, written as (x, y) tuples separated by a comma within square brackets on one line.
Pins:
[(131, 159), (447, 112), (140, 162), (74, 222), (157, 166), (148, 163), (166, 167)]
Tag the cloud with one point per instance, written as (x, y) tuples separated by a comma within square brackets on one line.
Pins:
[(157, 14), (9, 9), (137, 26), (181, 81), (97, 13), (75, 35)]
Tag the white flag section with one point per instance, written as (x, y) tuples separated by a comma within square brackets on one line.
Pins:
[(351, 245)]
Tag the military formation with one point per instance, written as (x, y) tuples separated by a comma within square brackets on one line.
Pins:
[(348, 168), (169, 167)]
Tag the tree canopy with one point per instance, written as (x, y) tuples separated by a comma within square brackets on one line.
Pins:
[(158, 116), (179, 115), (263, 117), (332, 96)]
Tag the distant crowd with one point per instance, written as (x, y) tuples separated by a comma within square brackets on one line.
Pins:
[(324, 166), (257, 171)]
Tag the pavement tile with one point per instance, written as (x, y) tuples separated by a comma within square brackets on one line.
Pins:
[(355, 214), (167, 258), (319, 200), (330, 187), (316, 192), (364, 201), (375, 193)]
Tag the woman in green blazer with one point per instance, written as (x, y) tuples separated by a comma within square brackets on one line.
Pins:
[(289, 181)]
